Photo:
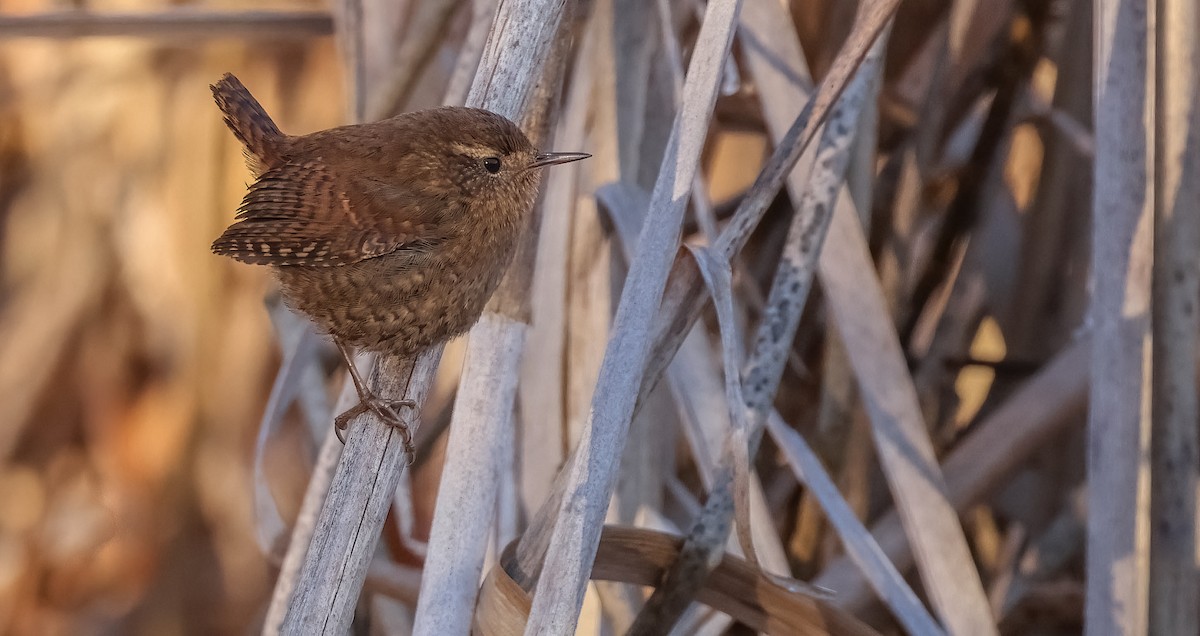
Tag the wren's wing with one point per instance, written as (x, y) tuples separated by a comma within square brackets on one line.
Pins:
[(302, 214)]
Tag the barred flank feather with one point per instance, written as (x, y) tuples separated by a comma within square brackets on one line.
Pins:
[(300, 214)]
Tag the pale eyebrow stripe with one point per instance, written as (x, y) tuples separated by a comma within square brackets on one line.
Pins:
[(472, 150)]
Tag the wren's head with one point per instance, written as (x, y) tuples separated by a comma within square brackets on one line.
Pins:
[(478, 154)]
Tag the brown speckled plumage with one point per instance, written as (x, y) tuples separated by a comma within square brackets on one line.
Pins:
[(391, 236)]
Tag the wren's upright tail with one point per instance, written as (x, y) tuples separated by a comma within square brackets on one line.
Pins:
[(249, 123)]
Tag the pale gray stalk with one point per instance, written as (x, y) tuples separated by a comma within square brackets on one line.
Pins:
[(901, 437), (1122, 245), (696, 386), (481, 432), (467, 494), (861, 547), (169, 25), (1174, 580), (300, 347), (463, 72), (352, 516), (306, 519)]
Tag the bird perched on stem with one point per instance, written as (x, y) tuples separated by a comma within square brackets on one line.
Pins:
[(390, 236)]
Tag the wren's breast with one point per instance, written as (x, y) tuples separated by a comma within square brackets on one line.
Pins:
[(401, 302)]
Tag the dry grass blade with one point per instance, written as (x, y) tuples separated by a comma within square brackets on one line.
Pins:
[(901, 438), (640, 556), (794, 277), (735, 455), (590, 476), (696, 386), (1122, 238)]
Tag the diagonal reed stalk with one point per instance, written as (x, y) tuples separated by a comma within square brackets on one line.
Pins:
[(590, 476)]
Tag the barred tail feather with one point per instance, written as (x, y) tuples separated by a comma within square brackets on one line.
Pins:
[(249, 122)]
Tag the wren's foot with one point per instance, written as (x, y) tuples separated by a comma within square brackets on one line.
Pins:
[(386, 410), (367, 400)]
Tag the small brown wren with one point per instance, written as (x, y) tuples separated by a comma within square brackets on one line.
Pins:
[(390, 236)]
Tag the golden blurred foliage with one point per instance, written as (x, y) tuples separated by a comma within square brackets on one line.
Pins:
[(134, 365)]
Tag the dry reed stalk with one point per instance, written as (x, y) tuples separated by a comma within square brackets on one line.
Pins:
[(696, 387), (541, 389), (884, 578), (1122, 258), (1174, 581), (647, 457), (694, 381), (365, 480), (306, 519), (173, 25), (790, 287), (694, 378), (481, 429)]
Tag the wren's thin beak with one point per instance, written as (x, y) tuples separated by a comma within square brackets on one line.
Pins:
[(550, 158)]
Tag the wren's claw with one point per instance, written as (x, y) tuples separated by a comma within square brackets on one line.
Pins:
[(386, 410), (367, 400)]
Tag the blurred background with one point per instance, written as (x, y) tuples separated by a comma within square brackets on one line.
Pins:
[(134, 364)]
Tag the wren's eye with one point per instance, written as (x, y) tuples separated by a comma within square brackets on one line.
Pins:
[(491, 164)]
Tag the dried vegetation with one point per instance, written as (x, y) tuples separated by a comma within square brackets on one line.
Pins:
[(885, 298)]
